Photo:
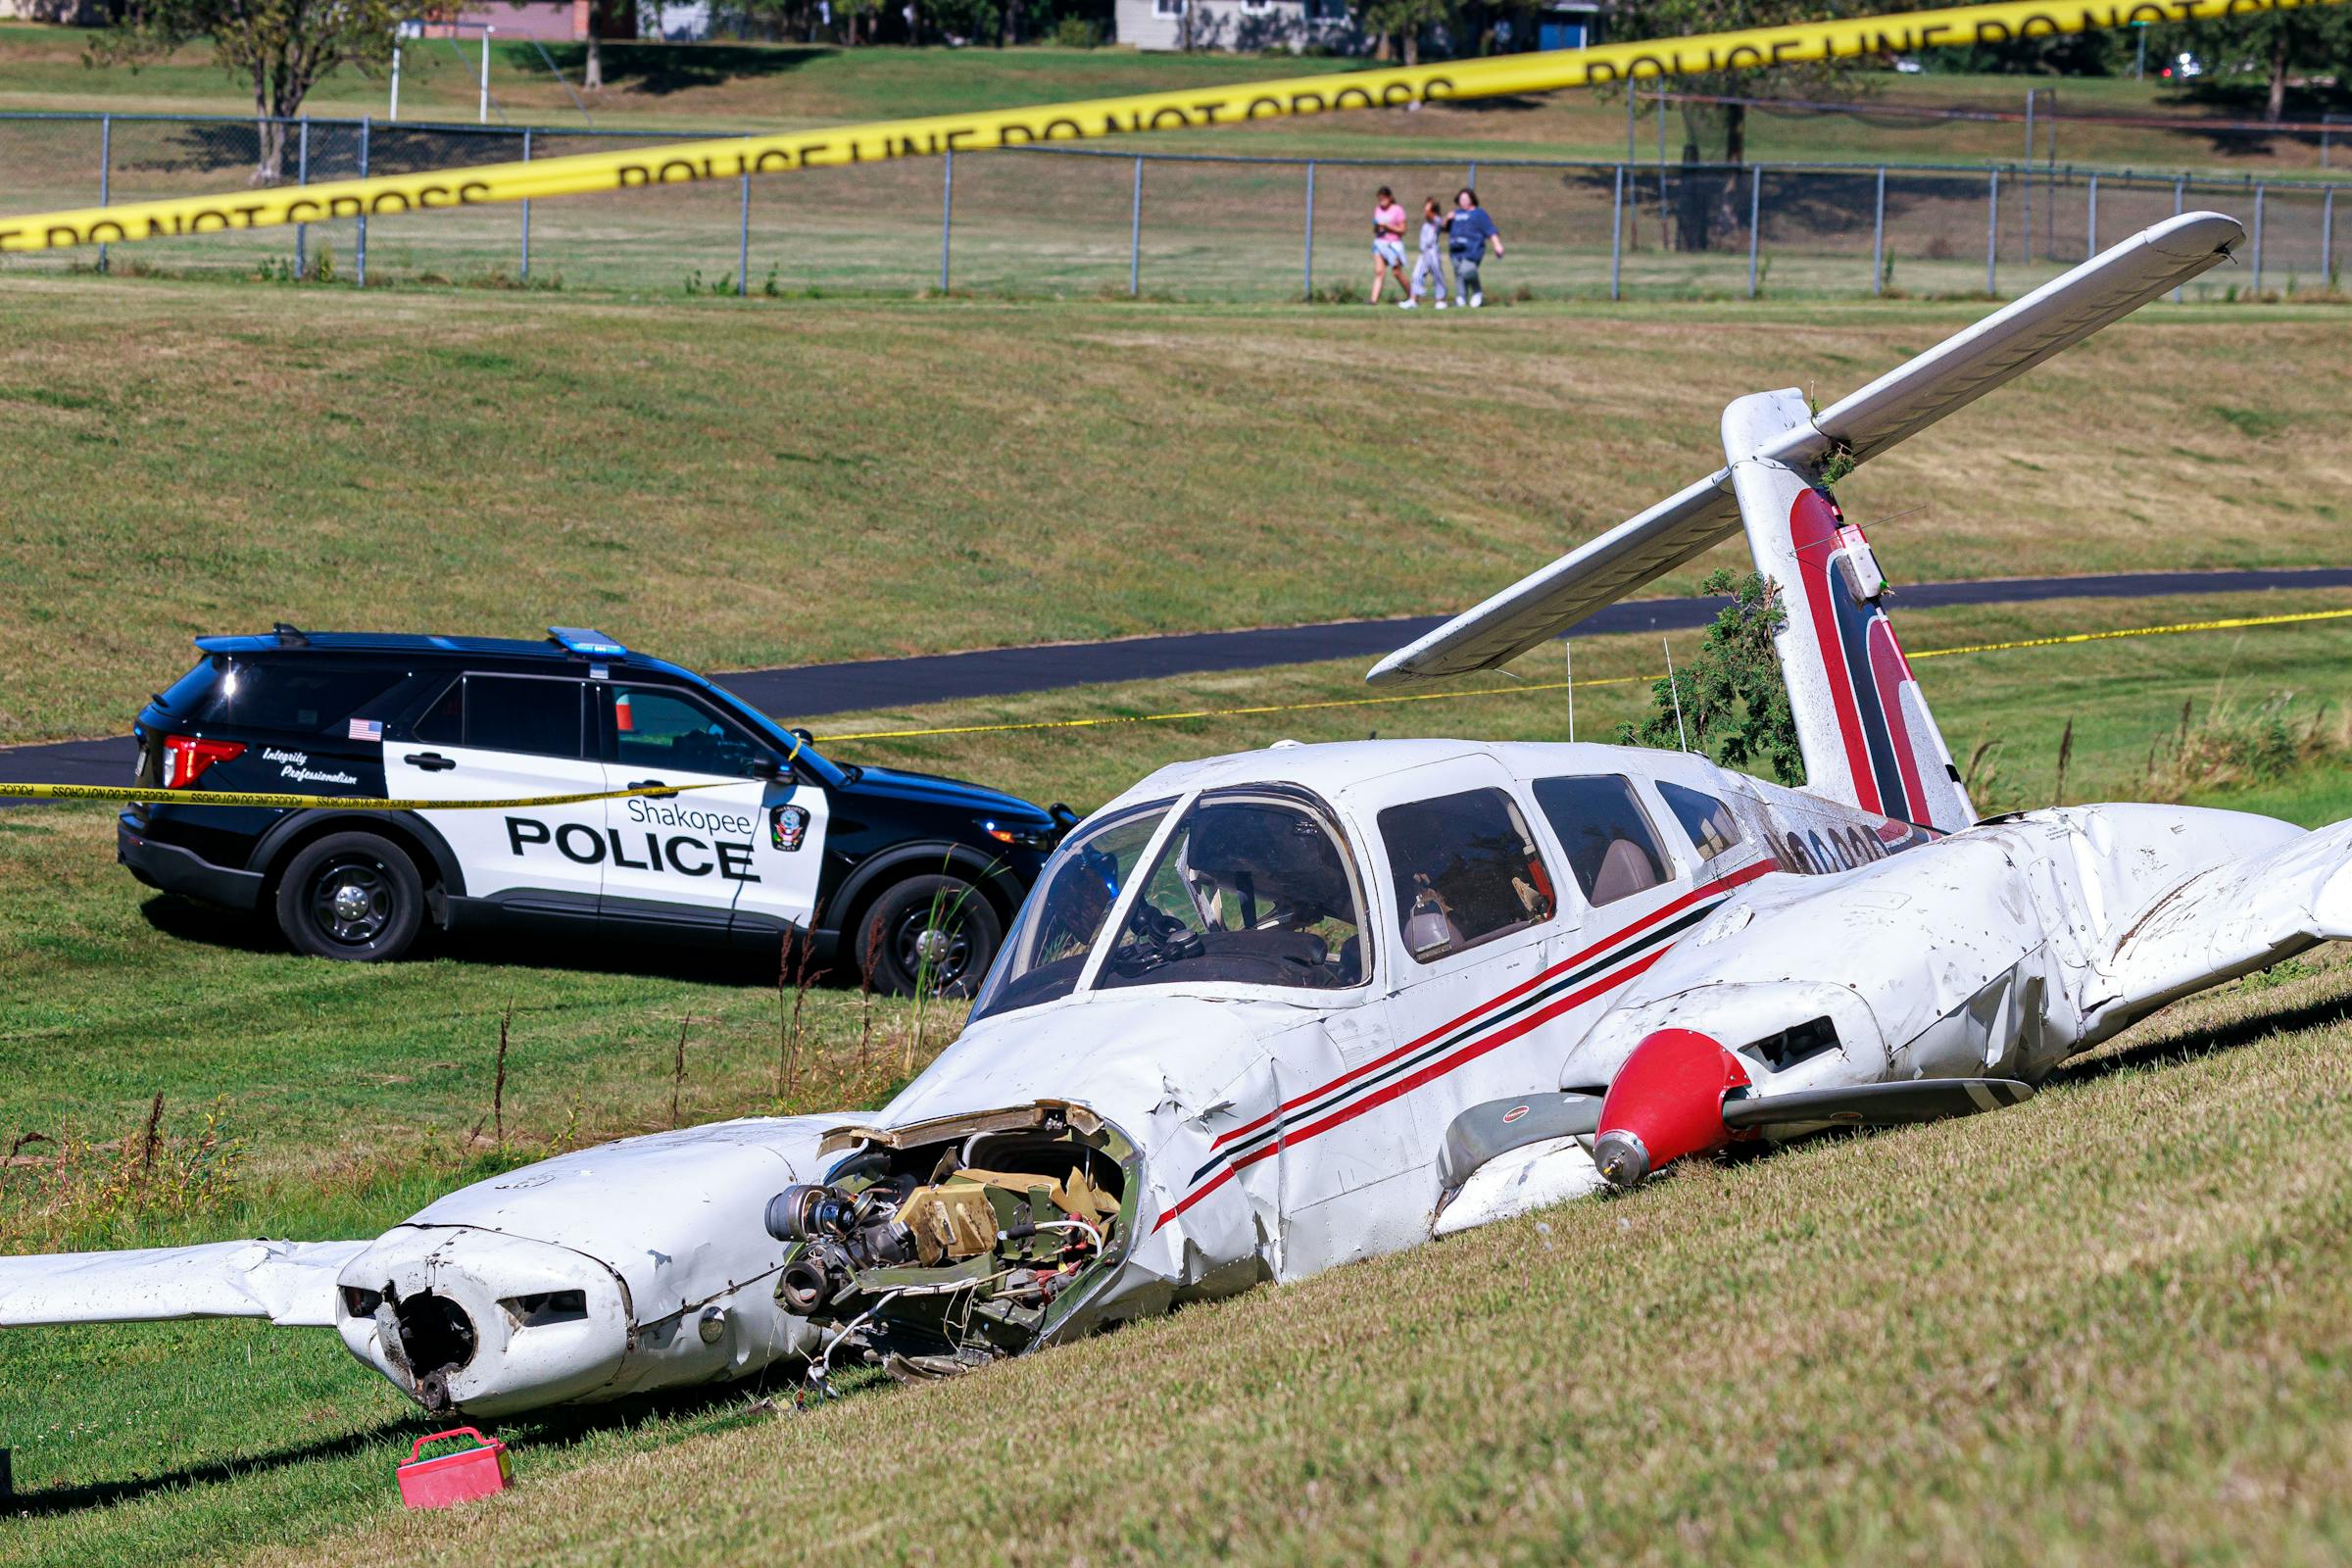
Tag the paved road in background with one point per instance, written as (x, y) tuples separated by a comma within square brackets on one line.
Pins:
[(811, 691)]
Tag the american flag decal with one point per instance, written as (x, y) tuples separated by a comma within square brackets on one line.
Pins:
[(366, 729)]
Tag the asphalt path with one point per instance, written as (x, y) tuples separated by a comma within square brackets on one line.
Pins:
[(810, 690)]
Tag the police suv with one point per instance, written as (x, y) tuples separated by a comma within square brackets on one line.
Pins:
[(910, 878)]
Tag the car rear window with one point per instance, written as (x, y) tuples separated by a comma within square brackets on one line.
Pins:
[(507, 713), (302, 698), (185, 694)]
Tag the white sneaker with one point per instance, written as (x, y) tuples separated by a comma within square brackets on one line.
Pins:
[(1477, 300), (1440, 302), (1404, 304)]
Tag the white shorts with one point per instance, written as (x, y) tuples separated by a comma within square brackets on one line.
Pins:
[(1391, 250)]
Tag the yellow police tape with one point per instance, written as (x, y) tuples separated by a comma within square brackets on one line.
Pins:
[(297, 803), (1562, 685), (1192, 108)]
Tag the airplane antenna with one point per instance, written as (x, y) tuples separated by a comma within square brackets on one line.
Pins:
[(1673, 690), (1569, 649)]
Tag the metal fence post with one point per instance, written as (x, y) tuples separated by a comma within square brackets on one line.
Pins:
[(2090, 242), (946, 214), (2327, 239), (105, 164), (526, 211), (1993, 232), (1310, 229), (302, 177), (2179, 196), (2258, 239), (360, 260), (1877, 239), (1755, 220), (743, 244), (1661, 139), (1472, 180), (1135, 235), (1617, 232), (2031, 93)]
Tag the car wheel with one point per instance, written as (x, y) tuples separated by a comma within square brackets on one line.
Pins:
[(938, 934), (351, 896)]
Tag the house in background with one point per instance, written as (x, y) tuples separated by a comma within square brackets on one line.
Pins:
[(568, 21), (1237, 25)]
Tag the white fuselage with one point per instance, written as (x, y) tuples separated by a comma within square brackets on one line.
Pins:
[(1285, 1130)]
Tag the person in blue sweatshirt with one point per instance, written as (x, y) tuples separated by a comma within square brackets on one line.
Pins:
[(1468, 237)]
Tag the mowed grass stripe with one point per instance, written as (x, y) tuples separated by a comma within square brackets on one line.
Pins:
[(743, 487)]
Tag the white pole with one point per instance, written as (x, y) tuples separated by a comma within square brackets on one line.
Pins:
[(392, 114), (1674, 689), (482, 117), (1570, 649)]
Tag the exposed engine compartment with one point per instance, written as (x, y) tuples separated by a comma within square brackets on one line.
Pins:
[(939, 1248)]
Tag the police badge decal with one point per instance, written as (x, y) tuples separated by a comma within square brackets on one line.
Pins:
[(787, 826)]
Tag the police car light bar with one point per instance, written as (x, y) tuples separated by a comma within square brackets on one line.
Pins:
[(588, 644)]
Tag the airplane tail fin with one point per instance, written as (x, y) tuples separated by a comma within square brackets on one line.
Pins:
[(1862, 722), (1865, 730)]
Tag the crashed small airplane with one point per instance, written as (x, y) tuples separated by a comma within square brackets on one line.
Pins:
[(1272, 1012)]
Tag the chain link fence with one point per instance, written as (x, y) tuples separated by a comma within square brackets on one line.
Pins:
[(1089, 221)]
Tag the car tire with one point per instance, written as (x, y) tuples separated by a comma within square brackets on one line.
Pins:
[(936, 932), (351, 896)]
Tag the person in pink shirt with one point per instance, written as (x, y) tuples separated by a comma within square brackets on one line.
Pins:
[(1388, 244)]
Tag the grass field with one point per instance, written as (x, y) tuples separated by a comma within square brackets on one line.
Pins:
[(747, 485), (725, 86), (1898, 1353), (1226, 218)]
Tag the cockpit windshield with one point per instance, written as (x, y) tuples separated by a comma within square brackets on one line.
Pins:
[(1246, 890), (1249, 888), (1063, 917)]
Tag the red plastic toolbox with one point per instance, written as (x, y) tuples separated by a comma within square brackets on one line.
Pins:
[(452, 1478)]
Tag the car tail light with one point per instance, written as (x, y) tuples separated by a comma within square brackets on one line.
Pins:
[(187, 756)]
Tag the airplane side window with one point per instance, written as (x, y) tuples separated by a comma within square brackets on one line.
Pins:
[(1611, 850), (1705, 819), (1466, 870)]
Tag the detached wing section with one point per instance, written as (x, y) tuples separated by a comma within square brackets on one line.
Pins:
[(1900, 403), (290, 1283)]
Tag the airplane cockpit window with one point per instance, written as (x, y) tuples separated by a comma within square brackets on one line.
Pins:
[(1063, 920), (1705, 819), (1248, 890), (1611, 850), (1466, 870)]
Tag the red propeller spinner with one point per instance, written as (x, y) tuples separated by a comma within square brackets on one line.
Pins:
[(1665, 1103)]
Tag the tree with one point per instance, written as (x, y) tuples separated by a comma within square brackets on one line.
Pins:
[(1729, 701), (1673, 19), (283, 47), (2281, 45), (1398, 25)]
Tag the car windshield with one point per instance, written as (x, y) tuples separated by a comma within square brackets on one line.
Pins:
[(1063, 920), (1246, 890)]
